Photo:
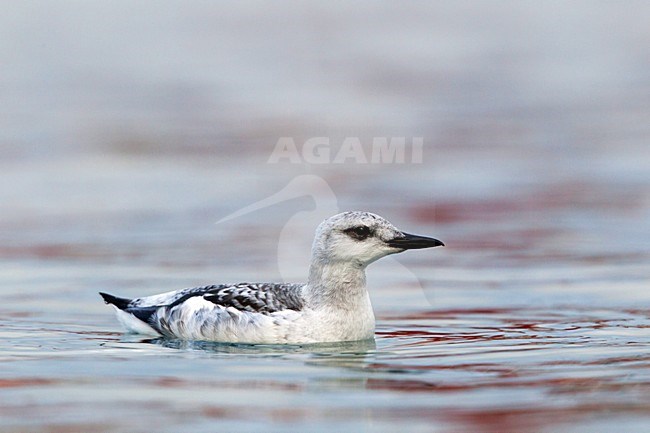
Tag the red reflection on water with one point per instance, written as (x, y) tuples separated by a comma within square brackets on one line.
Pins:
[(175, 382), (422, 336), (512, 419), (460, 211), (25, 381), (218, 412), (62, 250), (451, 313), (561, 195), (570, 384)]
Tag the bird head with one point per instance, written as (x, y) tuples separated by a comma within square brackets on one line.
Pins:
[(361, 238)]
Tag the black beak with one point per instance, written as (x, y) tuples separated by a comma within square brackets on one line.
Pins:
[(414, 242)]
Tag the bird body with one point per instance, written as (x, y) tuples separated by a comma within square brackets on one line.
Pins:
[(332, 306)]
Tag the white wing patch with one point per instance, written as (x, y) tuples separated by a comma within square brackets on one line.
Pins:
[(133, 324)]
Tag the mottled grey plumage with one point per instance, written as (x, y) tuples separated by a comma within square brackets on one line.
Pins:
[(263, 298)]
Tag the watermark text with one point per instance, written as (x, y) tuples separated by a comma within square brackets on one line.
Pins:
[(320, 150)]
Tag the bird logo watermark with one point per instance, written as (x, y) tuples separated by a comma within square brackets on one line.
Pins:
[(297, 232)]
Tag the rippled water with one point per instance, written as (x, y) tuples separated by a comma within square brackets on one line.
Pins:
[(128, 131), (483, 369)]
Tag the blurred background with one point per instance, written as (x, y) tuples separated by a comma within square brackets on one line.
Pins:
[(128, 129)]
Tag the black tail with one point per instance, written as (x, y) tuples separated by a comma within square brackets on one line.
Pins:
[(120, 303)]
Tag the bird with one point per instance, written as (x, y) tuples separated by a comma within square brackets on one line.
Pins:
[(333, 306)]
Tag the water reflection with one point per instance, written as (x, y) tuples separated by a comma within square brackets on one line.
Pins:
[(512, 369), (352, 348)]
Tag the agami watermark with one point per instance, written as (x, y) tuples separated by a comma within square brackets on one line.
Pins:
[(321, 150)]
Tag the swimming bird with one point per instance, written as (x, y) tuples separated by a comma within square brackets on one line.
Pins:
[(332, 306)]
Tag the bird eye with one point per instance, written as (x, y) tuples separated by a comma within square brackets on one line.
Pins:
[(359, 233)]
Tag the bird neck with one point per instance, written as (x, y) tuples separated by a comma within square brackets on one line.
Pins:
[(335, 284)]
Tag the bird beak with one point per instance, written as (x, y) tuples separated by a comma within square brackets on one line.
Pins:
[(414, 242)]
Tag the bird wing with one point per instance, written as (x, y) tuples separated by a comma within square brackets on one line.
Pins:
[(210, 311), (262, 298)]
